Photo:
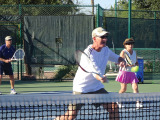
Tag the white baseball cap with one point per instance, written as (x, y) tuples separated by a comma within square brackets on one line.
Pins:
[(98, 32), (8, 38)]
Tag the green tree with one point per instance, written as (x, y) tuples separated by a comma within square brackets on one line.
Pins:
[(141, 4), (37, 7), (35, 2), (147, 4), (140, 9)]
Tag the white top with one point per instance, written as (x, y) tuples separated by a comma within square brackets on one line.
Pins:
[(86, 82), (133, 59)]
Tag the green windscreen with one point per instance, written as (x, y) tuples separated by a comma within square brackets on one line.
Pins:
[(54, 39), (145, 32)]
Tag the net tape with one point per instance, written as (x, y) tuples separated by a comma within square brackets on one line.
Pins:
[(38, 99)]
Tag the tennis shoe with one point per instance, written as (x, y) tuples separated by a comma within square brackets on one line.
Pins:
[(0, 93), (13, 92), (139, 105)]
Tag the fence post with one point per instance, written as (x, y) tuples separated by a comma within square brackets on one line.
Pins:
[(129, 18), (20, 37), (97, 21), (99, 16)]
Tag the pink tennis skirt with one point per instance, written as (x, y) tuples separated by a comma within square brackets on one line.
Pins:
[(126, 77)]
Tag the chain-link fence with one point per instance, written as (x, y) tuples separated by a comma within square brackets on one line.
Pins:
[(50, 34), (144, 27), (144, 30)]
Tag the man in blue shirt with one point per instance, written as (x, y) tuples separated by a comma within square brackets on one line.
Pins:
[(6, 53)]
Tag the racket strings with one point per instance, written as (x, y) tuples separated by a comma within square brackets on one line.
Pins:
[(127, 58), (19, 54), (128, 61), (85, 62)]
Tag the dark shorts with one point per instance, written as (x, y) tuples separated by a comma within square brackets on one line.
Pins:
[(102, 90), (78, 106), (7, 69)]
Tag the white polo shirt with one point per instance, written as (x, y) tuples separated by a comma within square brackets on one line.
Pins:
[(86, 82)]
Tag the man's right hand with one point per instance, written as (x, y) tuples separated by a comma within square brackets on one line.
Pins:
[(7, 61), (102, 79)]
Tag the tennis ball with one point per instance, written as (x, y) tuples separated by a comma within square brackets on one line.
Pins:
[(135, 69)]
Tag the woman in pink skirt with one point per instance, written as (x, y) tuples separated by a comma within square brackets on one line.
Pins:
[(125, 75)]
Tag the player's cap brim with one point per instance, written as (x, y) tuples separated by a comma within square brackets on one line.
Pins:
[(127, 42)]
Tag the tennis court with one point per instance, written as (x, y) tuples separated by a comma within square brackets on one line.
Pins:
[(50, 86), (46, 100)]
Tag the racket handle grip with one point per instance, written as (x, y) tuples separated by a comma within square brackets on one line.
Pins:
[(101, 76), (107, 81), (123, 69)]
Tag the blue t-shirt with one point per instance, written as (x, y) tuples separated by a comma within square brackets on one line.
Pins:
[(6, 53)]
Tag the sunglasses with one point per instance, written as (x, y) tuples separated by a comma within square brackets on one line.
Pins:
[(9, 40), (129, 43), (103, 37)]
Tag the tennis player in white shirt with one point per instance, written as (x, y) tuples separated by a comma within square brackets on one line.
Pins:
[(89, 83)]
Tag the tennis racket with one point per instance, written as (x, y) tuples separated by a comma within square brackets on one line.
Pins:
[(18, 55), (85, 63), (127, 58)]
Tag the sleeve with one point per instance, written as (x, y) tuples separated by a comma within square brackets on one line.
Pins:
[(113, 57), (1, 53)]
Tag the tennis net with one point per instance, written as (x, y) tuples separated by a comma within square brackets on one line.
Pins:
[(50, 106)]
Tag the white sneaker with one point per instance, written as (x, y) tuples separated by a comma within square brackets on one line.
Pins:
[(120, 105), (0, 93), (139, 105), (13, 92)]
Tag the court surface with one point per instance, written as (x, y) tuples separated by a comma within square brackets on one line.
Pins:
[(46, 86)]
